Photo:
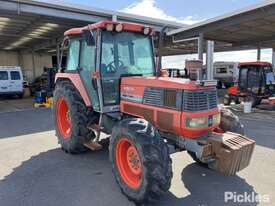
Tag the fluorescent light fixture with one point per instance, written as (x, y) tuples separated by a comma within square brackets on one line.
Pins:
[(52, 50), (45, 28), (5, 19), (4, 22)]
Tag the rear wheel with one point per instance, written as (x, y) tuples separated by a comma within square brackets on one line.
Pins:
[(140, 160), (71, 117), (227, 100), (237, 100), (219, 85), (255, 101), (20, 96)]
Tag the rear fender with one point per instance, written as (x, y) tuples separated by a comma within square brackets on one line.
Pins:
[(75, 79), (232, 90)]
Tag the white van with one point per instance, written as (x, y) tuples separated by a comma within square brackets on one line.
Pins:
[(226, 73), (11, 81)]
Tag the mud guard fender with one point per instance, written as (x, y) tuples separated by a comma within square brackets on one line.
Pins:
[(78, 84)]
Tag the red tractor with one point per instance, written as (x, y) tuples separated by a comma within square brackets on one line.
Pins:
[(111, 85), (256, 82)]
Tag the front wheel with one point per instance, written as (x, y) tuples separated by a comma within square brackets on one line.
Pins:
[(255, 101), (140, 160), (231, 122), (194, 157)]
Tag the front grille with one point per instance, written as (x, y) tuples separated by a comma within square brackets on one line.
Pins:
[(166, 98), (199, 100), (170, 98)]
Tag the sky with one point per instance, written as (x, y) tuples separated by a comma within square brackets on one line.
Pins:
[(178, 9), (183, 11)]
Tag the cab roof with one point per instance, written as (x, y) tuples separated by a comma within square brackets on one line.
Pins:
[(257, 63), (102, 24)]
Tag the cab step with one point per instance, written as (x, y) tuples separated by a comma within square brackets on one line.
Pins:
[(92, 145)]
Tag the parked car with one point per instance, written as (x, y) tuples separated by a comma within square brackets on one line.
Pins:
[(226, 73), (11, 81)]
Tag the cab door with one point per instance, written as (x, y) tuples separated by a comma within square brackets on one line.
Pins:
[(81, 59), (87, 68), (243, 79), (4, 82), (16, 81)]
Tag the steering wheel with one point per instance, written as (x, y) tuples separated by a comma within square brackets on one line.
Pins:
[(111, 67)]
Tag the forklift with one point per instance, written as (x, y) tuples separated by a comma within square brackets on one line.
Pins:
[(255, 82)]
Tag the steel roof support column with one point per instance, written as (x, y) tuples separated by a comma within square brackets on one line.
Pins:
[(58, 54), (33, 65), (200, 46), (209, 60), (114, 18), (259, 53), (273, 58)]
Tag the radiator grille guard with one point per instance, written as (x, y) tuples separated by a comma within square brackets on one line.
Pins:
[(199, 100), (232, 152)]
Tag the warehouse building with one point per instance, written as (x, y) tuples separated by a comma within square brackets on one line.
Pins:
[(30, 31)]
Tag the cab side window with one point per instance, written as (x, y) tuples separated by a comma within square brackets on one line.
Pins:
[(73, 60)]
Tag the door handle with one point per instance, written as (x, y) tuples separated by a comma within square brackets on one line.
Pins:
[(94, 83), (79, 69)]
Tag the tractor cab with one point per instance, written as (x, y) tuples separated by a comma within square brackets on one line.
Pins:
[(108, 51), (256, 82), (256, 78)]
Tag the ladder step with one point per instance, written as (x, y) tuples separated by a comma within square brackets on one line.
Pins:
[(92, 145)]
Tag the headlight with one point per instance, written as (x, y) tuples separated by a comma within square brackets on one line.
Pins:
[(203, 122), (217, 119), (200, 122)]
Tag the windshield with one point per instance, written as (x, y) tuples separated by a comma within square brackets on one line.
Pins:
[(126, 53)]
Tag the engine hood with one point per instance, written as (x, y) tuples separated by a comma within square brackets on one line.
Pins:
[(162, 82)]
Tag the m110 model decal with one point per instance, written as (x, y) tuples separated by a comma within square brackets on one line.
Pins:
[(131, 98), (132, 94)]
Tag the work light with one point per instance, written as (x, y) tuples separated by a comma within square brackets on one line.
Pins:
[(146, 30), (109, 27), (119, 27)]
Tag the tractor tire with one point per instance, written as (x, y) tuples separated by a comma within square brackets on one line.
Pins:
[(219, 85), (227, 100), (194, 157), (255, 101), (140, 160), (230, 122), (227, 85), (71, 118), (237, 100)]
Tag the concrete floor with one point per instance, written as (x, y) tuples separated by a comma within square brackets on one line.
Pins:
[(35, 171), (15, 104)]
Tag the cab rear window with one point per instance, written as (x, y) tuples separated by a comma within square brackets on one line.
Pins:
[(15, 75), (4, 75)]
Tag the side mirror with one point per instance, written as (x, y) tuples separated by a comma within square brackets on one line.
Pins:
[(89, 37)]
